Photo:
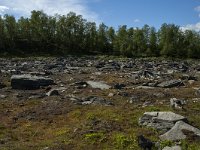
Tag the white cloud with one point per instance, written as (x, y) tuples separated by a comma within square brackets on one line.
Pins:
[(3, 9), (137, 21), (51, 7), (195, 27), (197, 8)]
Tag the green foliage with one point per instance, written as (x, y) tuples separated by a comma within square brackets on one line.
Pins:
[(166, 143), (122, 142), (71, 34), (93, 138)]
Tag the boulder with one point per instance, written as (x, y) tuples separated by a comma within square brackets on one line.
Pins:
[(171, 84), (29, 82), (172, 148), (98, 85), (179, 132), (160, 120)]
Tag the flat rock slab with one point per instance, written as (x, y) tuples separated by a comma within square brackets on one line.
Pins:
[(98, 85), (160, 120), (177, 132), (29, 82), (170, 84), (172, 148)]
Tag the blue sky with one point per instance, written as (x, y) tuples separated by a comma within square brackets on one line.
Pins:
[(134, 13)]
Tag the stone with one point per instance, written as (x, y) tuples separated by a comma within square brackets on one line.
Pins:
[(160, 120), (119, 86), (177, 132), (144, 87), (29, 82), (111, 94), (177, 103), (145, 143), (171, 84), (96, 101), (197, 93), (2, 96), (172, 148), (98, 85), (81, 84), (52, 92)]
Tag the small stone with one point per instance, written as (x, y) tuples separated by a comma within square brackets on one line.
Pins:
[(52, 92), (110, 94), (177, 103)]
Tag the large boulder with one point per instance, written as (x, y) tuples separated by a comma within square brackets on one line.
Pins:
[(29, 82), (171, 84), (180, 131), (160, 120)]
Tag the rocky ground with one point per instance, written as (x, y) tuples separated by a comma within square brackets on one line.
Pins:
[(99, 103)]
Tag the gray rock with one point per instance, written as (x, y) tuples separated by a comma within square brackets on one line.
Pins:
[(90, 100), (52, 92), (177, 103), (96, 101), (2, 96), (197, 92), (29, 82), (172, 148), (119, 86), (177, 133), (160, 120), (170, 84), (98, 85)]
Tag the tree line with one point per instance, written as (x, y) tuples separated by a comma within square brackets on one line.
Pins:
[(72, 34)]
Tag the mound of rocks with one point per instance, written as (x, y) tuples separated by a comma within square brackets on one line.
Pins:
[(174, 125), (160, 120), (29, 82)]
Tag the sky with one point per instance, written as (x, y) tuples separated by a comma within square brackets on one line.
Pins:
[(133, 13)]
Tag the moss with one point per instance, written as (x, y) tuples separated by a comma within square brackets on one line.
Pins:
[(94, 138)]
